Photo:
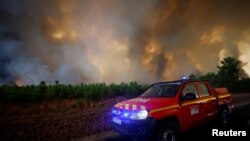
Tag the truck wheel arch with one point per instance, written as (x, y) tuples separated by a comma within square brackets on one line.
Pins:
[(169, 124), (169, 119)]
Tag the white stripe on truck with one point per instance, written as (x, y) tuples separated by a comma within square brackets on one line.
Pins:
[(127, 106), (134, 107), (143, 108)]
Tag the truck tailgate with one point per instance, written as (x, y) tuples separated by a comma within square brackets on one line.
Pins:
[(224, 97)]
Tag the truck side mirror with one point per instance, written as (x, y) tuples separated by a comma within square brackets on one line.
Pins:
[(189, 96)]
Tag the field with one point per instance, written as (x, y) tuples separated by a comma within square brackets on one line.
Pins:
[(59, 112), (54, 120)]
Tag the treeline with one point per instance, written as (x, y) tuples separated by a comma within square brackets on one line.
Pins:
[(42, 92), (229, 74)]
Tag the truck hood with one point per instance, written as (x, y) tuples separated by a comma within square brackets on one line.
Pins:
[(148, 103)]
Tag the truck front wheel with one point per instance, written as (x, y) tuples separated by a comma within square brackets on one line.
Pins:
[(168, 132)]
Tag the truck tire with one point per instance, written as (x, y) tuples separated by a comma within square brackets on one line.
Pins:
[(168, 131), (224, 117)]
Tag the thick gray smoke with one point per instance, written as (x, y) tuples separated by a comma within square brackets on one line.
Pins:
[(88, 41)]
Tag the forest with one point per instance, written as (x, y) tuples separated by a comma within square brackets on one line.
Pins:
[(229, 74), (89, 92)]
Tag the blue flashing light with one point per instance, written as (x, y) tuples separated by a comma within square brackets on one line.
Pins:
[(184, 77), (125, 114), (116, 112)]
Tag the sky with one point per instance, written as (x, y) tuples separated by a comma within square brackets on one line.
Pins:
[(113, 41)]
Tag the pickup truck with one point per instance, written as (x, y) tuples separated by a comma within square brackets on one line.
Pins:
[(167, 109)]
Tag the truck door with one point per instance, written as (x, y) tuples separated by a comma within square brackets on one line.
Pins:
[(190, 109), (208, 102)]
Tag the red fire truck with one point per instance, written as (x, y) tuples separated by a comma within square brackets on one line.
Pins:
[(167, 109)]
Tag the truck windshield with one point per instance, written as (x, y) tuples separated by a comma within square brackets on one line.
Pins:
[(163, 90)]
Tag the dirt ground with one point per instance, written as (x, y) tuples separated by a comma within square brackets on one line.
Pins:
[(54, 120)]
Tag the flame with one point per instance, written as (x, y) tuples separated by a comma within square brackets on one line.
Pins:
[(19, 83), (57, 35)]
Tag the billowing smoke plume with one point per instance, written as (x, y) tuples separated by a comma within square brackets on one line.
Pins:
[(88, 41)]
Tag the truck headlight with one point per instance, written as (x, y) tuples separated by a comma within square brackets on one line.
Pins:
[(142, 114)]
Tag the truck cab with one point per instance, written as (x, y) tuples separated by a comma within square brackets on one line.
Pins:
[(167, 109)]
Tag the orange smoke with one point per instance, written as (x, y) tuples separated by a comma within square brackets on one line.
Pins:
[(111, 57), (19, 83), (110, 41)]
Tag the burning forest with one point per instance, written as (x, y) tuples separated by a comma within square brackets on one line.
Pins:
[(64, 64), (85, 41)]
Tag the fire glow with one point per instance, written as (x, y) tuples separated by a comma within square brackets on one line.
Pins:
[(119, 41)]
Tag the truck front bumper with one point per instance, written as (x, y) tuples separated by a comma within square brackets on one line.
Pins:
[(134, 128)]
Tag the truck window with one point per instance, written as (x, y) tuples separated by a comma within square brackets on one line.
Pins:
[(166, 90), (190, 88), (203, 90)]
